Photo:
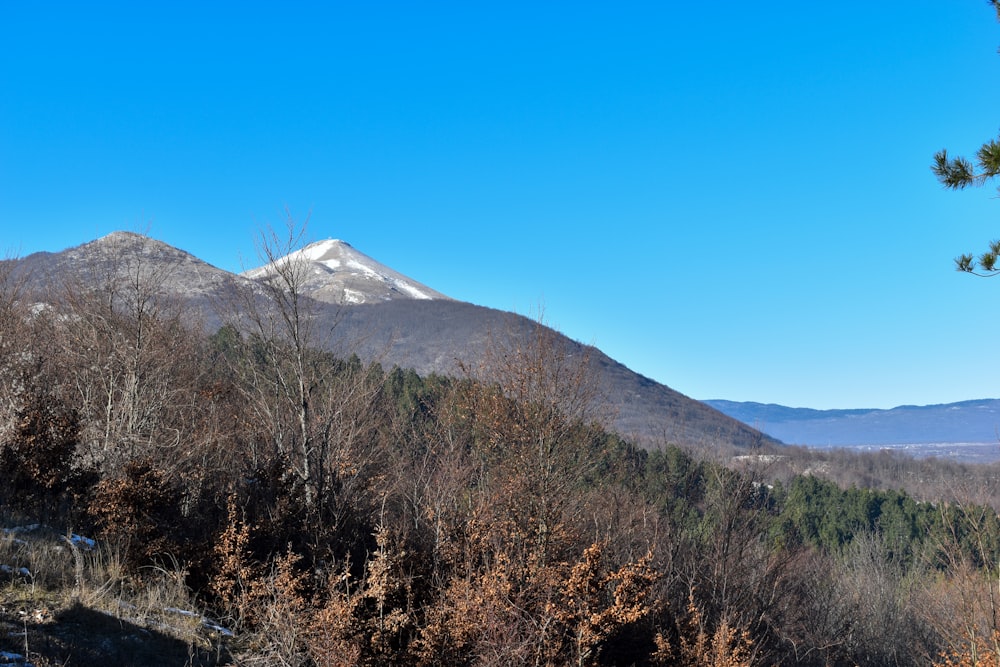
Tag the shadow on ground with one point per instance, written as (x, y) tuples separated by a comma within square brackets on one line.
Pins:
[(83, 636)]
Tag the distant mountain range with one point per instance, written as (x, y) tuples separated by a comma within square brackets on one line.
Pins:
[(975, 421), (379, 314)]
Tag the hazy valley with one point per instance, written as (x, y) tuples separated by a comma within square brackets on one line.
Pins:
[(965, 431)]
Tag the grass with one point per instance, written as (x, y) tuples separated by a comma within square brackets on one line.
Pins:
[(65, 603)]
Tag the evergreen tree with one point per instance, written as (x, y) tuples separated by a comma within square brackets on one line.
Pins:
[(958, 173)]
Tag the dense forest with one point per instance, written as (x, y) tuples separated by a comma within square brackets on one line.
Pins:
[(309, 509)]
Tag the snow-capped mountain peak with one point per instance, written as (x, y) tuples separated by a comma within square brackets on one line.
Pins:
[(338, 273), (321, 251)]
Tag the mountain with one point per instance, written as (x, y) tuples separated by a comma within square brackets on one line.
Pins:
[(975, 421), (120, 257), (436, 336), (377, 313), (337, 273), (123, 262)]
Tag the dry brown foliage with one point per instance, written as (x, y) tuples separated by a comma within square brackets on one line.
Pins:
[(593, 603), (367, 621), (553, 614), (233, 584), (974, 652), (702, 646), (39, 454), (279, 630), (141, 510)]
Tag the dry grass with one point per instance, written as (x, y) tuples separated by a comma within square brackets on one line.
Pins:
[(65, 602)]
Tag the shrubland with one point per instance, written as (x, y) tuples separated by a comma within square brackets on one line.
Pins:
[(255, 500)]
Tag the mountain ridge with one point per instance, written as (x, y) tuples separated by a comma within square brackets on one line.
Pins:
[(972, 421), (430, 335)]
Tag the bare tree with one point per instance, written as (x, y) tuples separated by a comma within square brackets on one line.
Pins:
[(314, 408), (17, 337), (128, 356)]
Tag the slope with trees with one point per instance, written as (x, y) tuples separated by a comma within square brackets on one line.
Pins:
[(429, 335), (321, 511)]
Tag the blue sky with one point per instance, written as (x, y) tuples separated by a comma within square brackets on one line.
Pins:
[(731, 198)]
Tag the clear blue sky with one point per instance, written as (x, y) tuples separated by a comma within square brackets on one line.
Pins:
[(731, 198)]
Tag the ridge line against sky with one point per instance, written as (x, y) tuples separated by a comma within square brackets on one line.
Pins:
[(733, 200)]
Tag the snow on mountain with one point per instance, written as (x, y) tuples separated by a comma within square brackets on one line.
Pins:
[(337, 273)]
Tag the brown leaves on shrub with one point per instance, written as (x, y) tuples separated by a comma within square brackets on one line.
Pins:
[(368, 621), (141, 510), (559, 613), (700, 645), (38, 455), (974, 652)]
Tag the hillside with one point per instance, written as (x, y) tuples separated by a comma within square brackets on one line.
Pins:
[(362, 307), (246, 497)]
